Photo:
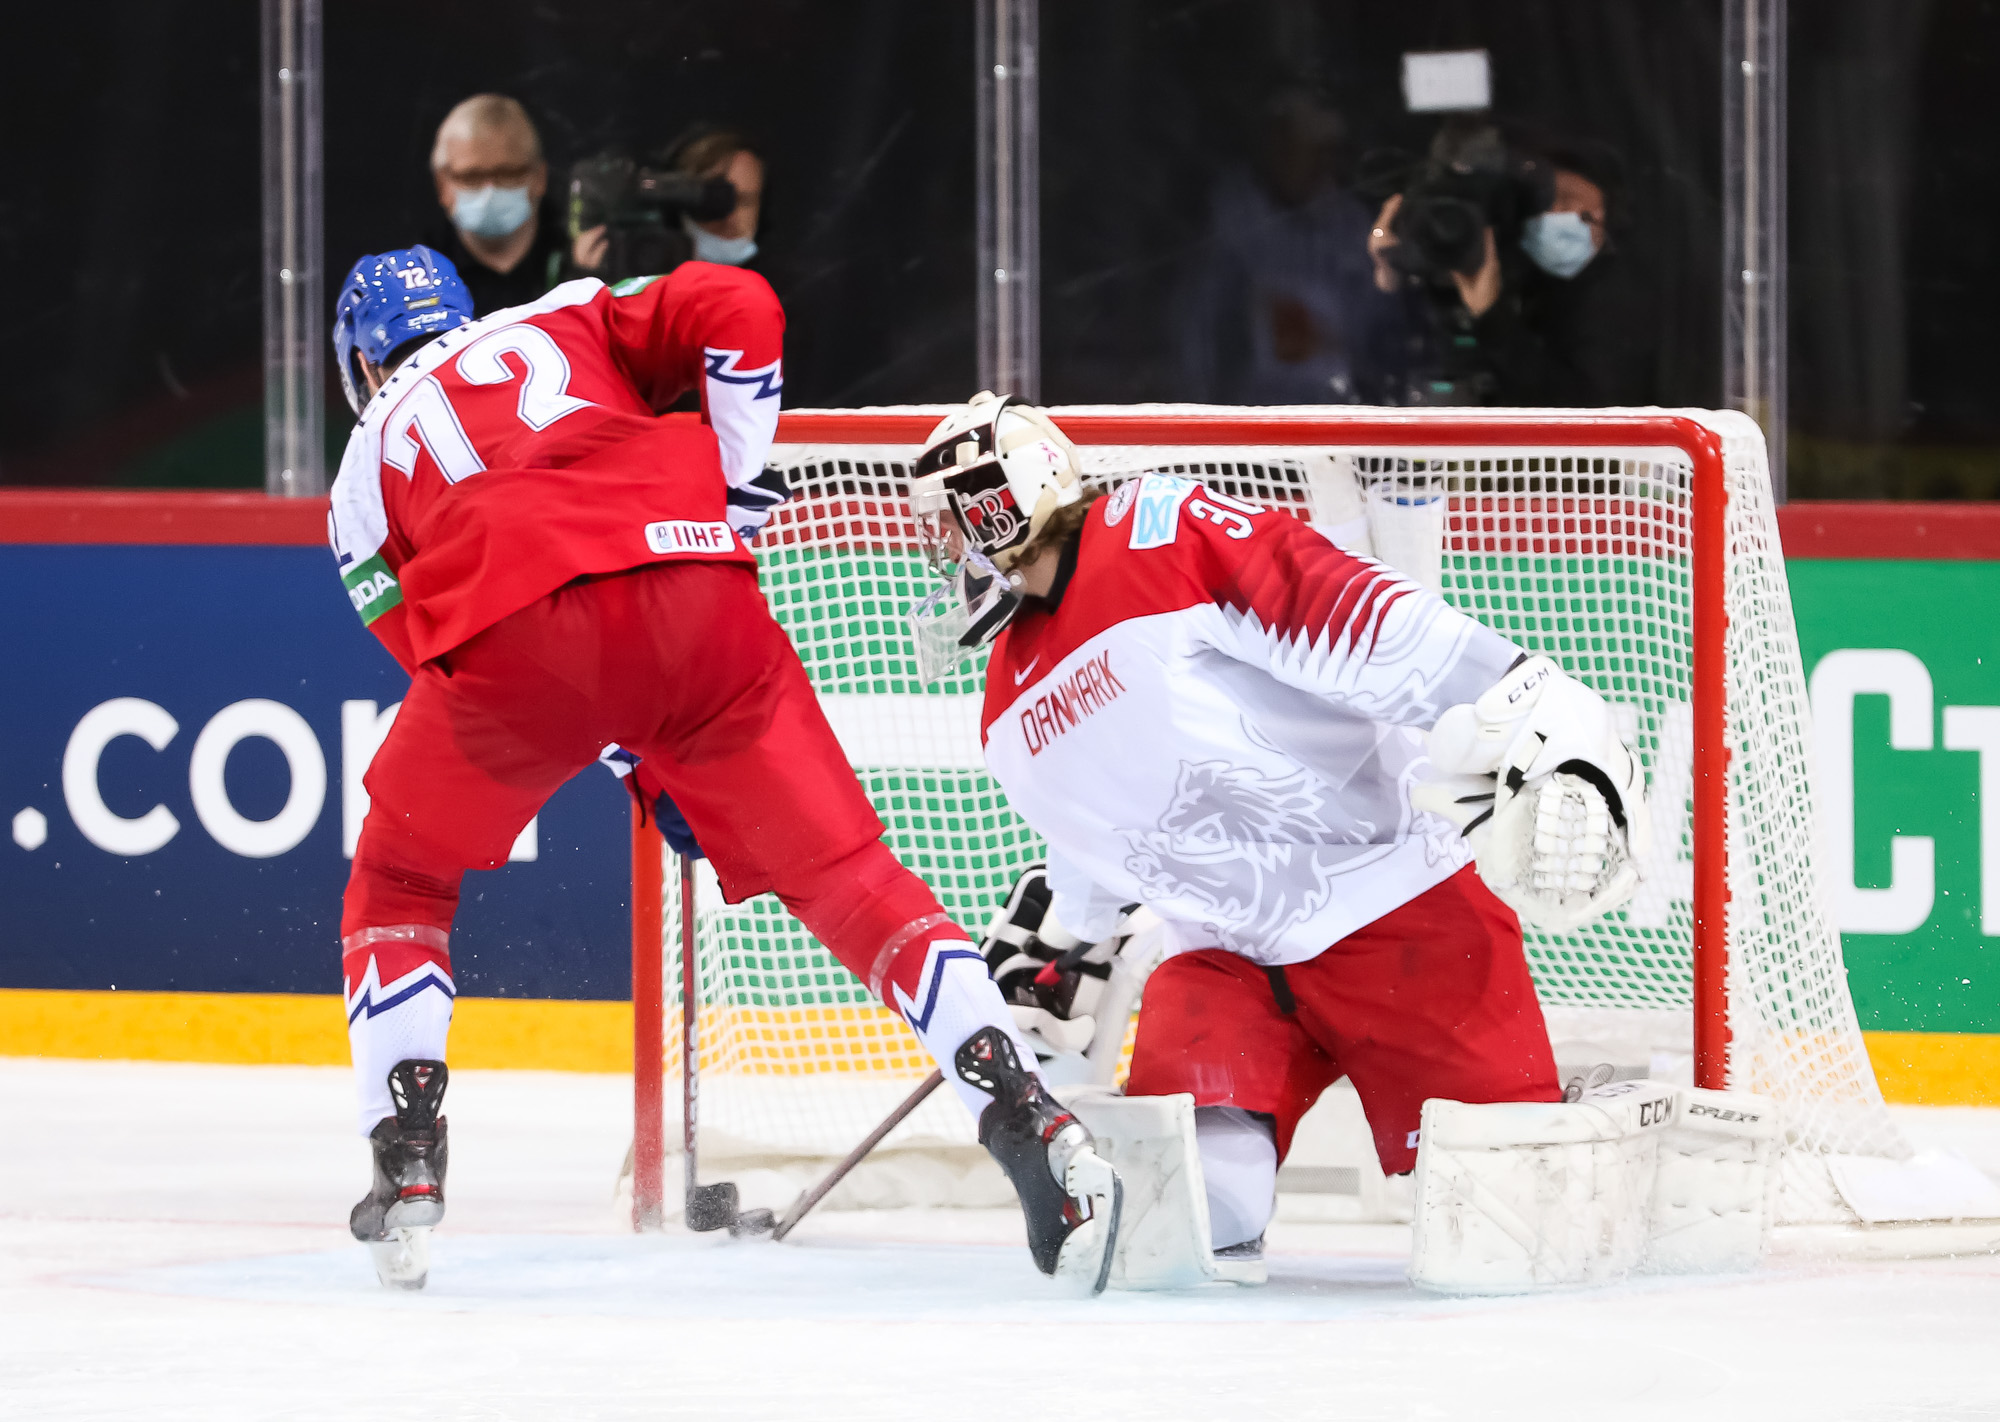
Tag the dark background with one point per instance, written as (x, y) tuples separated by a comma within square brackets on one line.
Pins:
[(130, 349)]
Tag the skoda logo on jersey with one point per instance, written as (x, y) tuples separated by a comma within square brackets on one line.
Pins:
[(1156, 510)]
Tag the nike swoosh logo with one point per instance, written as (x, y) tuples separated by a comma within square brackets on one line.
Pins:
[(1025, 672)]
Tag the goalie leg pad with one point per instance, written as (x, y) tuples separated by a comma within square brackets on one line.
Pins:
[(1523, 1196), (1636, 1175), (1712, 1198), (1166, 1240)]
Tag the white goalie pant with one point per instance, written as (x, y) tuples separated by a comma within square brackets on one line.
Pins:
[(1239, 1173), (1636, 1176)]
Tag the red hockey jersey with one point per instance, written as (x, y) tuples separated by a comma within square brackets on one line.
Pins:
[(517, 453)]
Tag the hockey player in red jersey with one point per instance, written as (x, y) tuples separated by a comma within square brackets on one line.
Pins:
[(1207, 708), (559, 569)]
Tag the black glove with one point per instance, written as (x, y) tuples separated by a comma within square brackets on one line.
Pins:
[(1032, 971)]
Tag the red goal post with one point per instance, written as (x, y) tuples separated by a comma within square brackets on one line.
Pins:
[(1590, 512)]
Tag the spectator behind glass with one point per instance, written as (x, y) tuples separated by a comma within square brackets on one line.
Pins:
[(491, 182), (1280, 306), (1556, 314), (710, 153)]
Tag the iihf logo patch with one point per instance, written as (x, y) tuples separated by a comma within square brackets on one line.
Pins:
[(1120, 502)]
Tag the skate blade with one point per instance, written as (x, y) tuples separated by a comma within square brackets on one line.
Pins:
[(1249, 1273), (403, 1260), (1085, 1260)]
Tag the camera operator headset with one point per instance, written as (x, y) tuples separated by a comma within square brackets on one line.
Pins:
[(699, 198), (1507, 240)]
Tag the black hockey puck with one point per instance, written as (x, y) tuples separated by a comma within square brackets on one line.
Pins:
[(712, 1207)]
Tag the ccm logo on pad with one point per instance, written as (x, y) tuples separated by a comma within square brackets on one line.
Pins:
[(681, 535)]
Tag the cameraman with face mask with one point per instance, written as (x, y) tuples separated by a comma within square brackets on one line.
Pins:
[(491, 180), (1505, 250), (719, 225)]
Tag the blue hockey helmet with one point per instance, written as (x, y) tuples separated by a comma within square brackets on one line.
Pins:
[(390, 300)]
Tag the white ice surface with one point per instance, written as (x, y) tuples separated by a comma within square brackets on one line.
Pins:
[(173, 1245)]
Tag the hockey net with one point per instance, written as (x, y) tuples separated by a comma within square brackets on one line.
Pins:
[(1639, 549)]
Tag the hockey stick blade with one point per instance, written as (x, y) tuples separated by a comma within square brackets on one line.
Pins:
[(833, 1177)]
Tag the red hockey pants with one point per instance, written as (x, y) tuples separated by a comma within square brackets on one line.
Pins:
[(683, 664), (1433, 999)]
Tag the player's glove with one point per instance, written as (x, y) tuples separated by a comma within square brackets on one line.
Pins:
[(1550, 800), (751, 505), (1050, 978)]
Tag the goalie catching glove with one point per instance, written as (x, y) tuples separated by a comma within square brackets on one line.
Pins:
[(1550, 800), (1051, 979)]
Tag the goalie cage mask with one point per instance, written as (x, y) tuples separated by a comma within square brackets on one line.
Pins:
[(987, 476), (961, 616)]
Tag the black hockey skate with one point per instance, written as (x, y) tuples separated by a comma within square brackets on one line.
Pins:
[(1070, 1196), (395, 1218)]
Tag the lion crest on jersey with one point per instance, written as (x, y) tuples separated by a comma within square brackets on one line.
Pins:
[(1250, 849)]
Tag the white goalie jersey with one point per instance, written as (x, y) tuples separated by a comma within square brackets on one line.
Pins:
[(1221, 717)]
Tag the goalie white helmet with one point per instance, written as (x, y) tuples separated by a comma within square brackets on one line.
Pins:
[(988, 479)]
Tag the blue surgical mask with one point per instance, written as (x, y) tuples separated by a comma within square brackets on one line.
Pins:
[(1560, 243), (725, 251), (491, 212)]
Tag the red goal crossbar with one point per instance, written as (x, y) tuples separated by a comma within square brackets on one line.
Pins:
[(1701, 445)]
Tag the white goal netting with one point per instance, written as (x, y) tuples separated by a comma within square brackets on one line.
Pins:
[(1581, 548)]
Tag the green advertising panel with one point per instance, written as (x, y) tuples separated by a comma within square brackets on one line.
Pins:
[(1903, 659)]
